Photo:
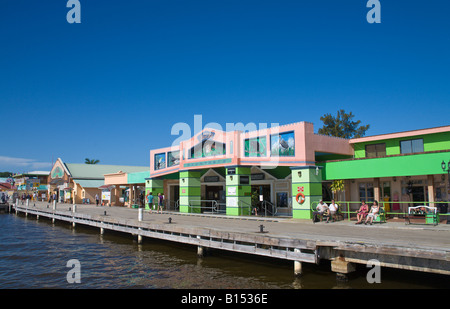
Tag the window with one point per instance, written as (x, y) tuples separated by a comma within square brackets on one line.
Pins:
[(376, 150), (411, 146), (282, 199), (366, 191)]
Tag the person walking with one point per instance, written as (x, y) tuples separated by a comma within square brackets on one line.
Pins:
[(97, 199), (160, 202), (150, 201)]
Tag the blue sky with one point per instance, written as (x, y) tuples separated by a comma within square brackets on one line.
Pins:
[(112, 87)]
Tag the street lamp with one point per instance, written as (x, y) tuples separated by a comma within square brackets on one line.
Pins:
[(443, 166), (448, 169)]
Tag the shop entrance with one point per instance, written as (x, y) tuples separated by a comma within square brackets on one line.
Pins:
[(262, 199), (216, 193), (214, 200), (174, 197)]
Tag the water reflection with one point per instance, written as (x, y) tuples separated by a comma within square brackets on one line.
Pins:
[(34, 255)]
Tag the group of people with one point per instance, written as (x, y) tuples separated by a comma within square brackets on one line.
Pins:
[(323, 210), (160, 201), (364, 214)]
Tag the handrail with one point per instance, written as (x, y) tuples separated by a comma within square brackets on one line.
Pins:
[(348, 212), (214, 205), (246, 205), (264, 204)]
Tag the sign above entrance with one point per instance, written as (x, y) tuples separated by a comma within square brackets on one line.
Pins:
[(211, 179), (259, 176), (231, 171)]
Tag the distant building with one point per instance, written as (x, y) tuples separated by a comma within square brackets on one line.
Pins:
[(78, 183)]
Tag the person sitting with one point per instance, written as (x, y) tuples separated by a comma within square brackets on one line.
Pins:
[(362, 212), (321, 209), (374, 210), (333, 207)]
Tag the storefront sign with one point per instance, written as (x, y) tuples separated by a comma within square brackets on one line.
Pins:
[(106, 195), (231, 190), (244, 180), (259, 176), (211, 179)]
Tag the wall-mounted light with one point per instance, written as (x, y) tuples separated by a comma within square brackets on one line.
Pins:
[(231, 177), (317, 170), (299, 173), (182, 179), (448, 170)]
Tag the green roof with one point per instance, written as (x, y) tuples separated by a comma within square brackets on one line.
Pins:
[(96, 171), (90, 183)]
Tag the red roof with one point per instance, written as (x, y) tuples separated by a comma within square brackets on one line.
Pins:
[(5, 186)]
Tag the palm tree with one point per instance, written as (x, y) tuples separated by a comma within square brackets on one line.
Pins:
[(93, 161)]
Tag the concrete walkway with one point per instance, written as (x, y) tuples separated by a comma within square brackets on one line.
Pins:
[(389, 234)]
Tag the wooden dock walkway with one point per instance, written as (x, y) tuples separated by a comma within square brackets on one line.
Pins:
[(396, 245)]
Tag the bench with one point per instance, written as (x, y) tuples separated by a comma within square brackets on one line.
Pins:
[(428, 213), (321, 217), (381, 217)]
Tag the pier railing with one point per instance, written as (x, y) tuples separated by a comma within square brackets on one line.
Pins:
[(206, 206), (350, 208)]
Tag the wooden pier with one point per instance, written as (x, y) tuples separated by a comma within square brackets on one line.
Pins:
[(393, 245)]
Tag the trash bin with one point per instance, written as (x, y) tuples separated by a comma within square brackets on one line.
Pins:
[(432, 218)]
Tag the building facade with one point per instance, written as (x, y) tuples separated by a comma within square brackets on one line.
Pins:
[(80, 183), (399, 169), (287, 169), (272, 170)]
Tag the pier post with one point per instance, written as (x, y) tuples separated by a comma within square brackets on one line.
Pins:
[(297, 266), (342, 268), (140, 218), (200, 249), (54, 209), (74, 210)]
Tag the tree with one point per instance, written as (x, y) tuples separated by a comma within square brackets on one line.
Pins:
[(336, 187), (342, 125), (93, 161)]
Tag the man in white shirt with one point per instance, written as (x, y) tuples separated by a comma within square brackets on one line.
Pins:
[(321, 209), (333, 207)]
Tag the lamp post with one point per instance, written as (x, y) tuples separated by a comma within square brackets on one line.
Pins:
[(448, 184), (443, 165)]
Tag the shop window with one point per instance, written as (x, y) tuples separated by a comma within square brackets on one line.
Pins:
[(282, 199), (386, 193), (376, 150), (411, 146), (366, 191)]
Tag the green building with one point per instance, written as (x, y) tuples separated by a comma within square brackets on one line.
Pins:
[(286, 170)]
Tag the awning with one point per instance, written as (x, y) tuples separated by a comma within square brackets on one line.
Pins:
[(90, 183), (107, 187), (57, 181)]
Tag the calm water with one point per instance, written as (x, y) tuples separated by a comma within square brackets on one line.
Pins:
[(34, 254)]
